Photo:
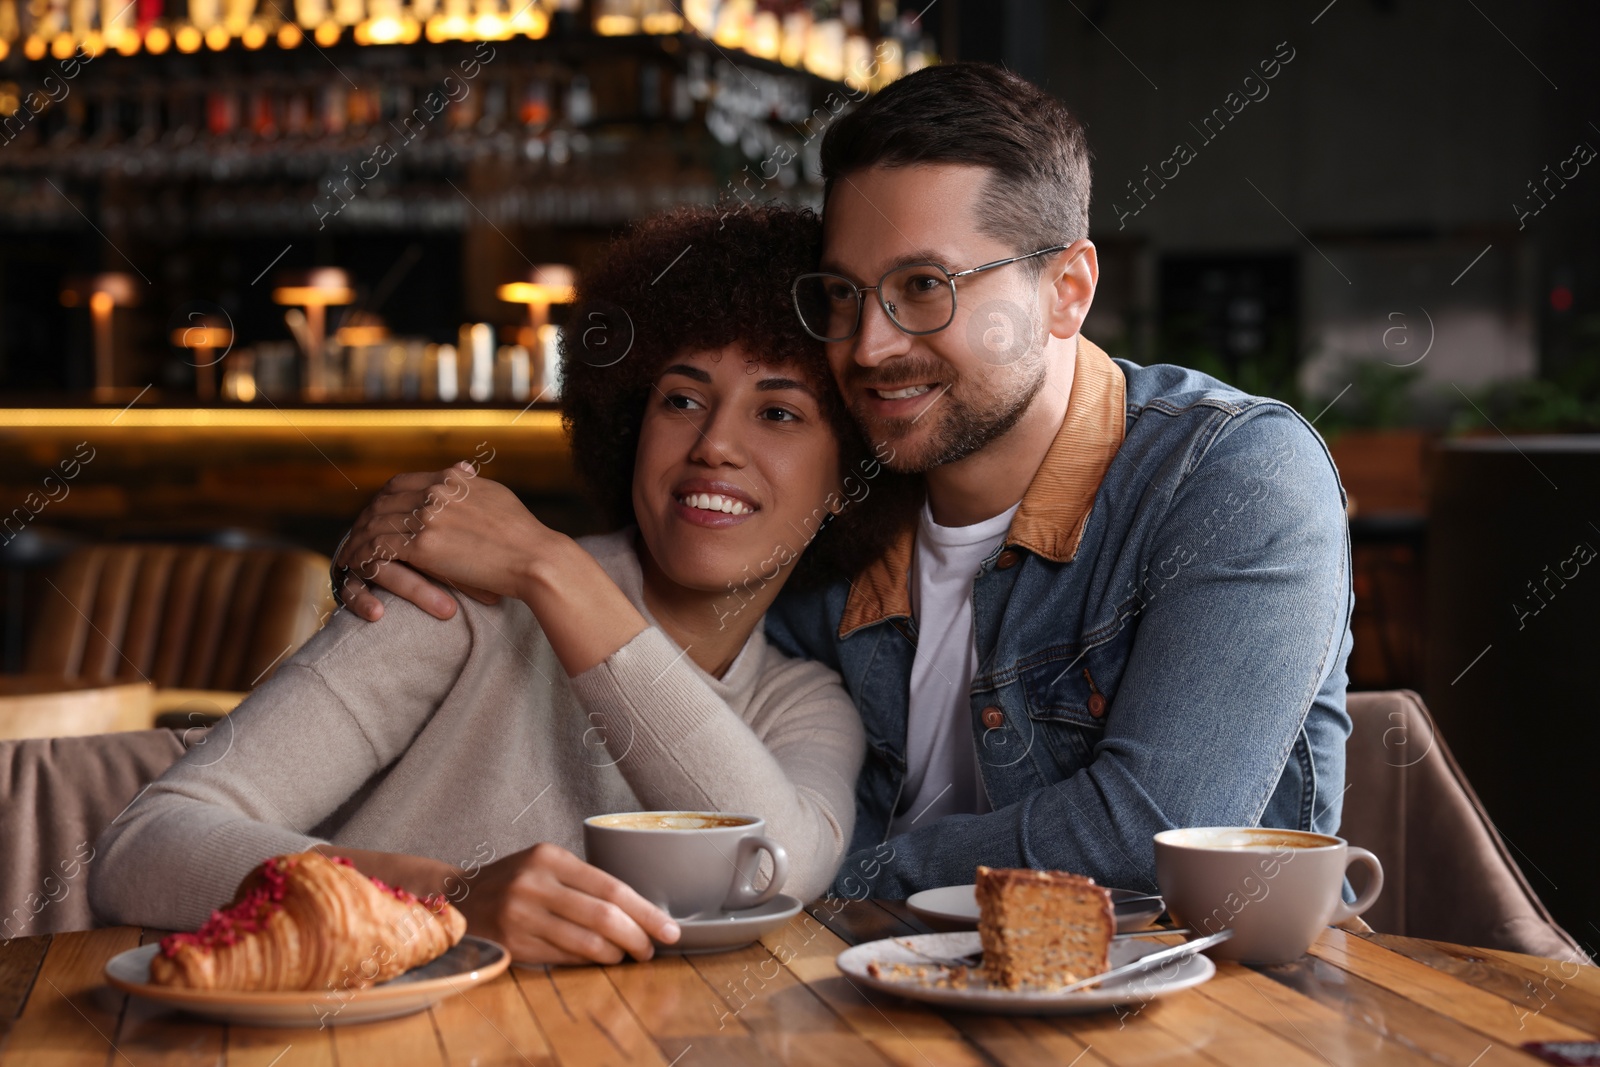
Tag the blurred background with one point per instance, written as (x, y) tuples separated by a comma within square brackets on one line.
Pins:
[(258, 255)]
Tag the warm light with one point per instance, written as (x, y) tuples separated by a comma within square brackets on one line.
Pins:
[(538, 422), (298, 295), (200, 336), (530, 21), (156, 40), (289, 35), (663, 22), (93, 44), (62, 46), (125, 41), (792, 50), (535, 293), (385, 30), (355, 336), (455, 28), (763, 40), (101, 302), (410, 30), (362, 33), (217, 38), (254, 36), (489, 27), (435, 28), (34, 48), (5, 49), (244, 387), (616, 25), (188, 39), (327, 34)]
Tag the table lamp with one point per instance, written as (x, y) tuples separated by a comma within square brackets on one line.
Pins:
[(203, 336), (103, 293), (314, 290), (548, 283)]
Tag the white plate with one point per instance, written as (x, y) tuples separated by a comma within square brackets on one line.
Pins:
[(733, 930), (1134, 989), (472, 962), (957, 906)]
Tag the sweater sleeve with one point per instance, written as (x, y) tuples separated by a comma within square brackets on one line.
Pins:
[(345, 706), (681, 747)]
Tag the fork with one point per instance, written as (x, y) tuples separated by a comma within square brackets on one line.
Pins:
[(974, 959)]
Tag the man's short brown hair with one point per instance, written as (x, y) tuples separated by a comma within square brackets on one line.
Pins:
[(978, 115)]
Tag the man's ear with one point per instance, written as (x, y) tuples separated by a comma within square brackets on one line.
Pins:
[(1072, 276)]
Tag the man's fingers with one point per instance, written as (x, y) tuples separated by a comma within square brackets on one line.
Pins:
[(406, 583), (531, 948)]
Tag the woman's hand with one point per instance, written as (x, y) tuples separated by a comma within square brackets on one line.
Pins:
[(548, 906), (467, 531)]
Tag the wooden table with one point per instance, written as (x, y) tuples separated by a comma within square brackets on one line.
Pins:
[(1368, 999)]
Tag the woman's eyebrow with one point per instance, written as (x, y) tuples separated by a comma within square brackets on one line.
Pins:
[(772, 384), (688, 372)]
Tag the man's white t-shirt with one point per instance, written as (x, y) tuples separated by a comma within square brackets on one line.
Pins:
[(941, 754)]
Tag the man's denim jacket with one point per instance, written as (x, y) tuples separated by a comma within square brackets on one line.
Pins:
[(1161, 642)]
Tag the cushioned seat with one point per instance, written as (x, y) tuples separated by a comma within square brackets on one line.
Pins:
[(1447, 874), (180, 616), (56, 796)]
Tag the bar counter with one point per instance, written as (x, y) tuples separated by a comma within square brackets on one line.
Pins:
[(297, 473)]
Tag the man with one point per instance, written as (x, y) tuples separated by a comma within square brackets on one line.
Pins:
[(1125, 605)]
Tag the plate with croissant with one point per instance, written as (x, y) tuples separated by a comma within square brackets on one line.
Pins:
[(310, 941)]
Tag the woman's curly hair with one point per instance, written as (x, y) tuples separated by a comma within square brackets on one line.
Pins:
[(693, 279)]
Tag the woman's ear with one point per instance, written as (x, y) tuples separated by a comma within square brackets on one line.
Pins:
[(1072, 277)]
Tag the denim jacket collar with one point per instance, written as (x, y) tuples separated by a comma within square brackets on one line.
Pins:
[(1055, 507)]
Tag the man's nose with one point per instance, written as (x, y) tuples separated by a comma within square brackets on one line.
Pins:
[(879, 338)]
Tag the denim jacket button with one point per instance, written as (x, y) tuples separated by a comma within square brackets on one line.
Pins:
[(1008, 559), (993, 718), (1097, 705)]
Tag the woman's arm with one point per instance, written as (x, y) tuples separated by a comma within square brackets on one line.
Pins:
[(681, 746), (287, 758), (475, 535)]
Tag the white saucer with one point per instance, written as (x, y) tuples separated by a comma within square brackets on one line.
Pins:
[(956, 907), (734, 929), (472, 962), (1134, 989)]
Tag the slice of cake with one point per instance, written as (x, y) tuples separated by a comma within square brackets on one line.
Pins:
[(1042, 929)]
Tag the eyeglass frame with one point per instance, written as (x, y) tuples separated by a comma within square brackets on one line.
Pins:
[(950, 280)]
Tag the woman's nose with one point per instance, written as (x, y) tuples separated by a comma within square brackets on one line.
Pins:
[(721, 440)]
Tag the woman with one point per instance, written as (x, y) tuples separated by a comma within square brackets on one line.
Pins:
[(620, 672)]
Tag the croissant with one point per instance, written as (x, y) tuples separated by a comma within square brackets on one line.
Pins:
[(309, 921)]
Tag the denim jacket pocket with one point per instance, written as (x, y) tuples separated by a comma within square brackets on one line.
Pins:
[(1061, 701)]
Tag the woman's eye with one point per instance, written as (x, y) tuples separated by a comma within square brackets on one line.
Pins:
[(924, 284), (682, 403), (780, 415)]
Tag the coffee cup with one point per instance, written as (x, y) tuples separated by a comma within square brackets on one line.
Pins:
[(1275, 889), (691, 864)]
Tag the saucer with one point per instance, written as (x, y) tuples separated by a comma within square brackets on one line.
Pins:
[(731, 930), (955, 907)]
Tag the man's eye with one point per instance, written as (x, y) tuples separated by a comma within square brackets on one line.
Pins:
[(924, 284)]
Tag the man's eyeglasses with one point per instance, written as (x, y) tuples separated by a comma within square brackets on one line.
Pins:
[(919, 298)]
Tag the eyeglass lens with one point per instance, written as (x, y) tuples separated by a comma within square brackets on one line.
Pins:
[(920, 298)]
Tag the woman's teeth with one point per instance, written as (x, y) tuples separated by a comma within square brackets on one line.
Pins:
[(902, 394), (716, 502)]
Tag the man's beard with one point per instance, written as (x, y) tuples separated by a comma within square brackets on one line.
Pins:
[(959, 427)]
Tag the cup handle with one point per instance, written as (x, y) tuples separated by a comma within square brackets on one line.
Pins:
[(744, 894), (1343, 911)]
